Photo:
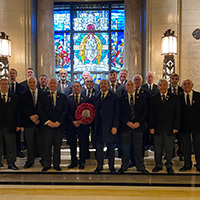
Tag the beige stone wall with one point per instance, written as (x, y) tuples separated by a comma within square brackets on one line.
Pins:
[(190, 47), (15, 21), (161, 15)]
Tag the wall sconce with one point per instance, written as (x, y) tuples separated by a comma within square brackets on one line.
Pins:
[(5, 52), (169, 49)]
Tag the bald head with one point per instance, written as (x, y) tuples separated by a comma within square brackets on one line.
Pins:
[(53, 84), (150, 77), (63, 74), (130, 87), (187, 85), (32, 82)]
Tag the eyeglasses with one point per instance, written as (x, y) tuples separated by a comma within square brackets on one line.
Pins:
[(89, 81)]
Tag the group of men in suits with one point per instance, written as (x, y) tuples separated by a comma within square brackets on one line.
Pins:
[(46, 109)]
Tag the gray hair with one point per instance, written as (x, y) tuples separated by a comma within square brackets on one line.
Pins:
[(136, 76), (162, 80)]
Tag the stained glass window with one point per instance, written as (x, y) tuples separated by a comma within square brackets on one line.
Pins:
[(89, 37)]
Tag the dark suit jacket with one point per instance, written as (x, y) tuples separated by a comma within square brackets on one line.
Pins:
[(27, 108), (19, 88), (10, 113), (24, 84), (48, 112), (190, 117), (94, 92), (41, 90), (154, 89), (107, 116), (120, 89), (73, 106), (164, 116), (140, 111), (68, 88), (180, 89)]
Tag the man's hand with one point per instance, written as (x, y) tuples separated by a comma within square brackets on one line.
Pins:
[(37, 122), (152, 131), (114, 130), (76, 123), (50, 124), (175, 131), (130, 124), (136, 125), (57, 124), (34, 118), (18, 129)]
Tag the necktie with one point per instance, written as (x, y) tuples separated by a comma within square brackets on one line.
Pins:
[(188, 100), (174, 90), (163, 98), (76, 99), (33, 96), (43, 88), (52, 99), (4, 98), (103, 96), (63, 87), (132, 107), (149, 87), (12, 89), (113, 87), (89, 93)]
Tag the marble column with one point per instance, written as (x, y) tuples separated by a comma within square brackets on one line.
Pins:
[(45, 38), (132, 37)]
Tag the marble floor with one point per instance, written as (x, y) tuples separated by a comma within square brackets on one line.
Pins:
[(75, 183)]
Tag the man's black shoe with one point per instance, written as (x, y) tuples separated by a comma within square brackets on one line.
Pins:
[(144, 171), (20, 155), (45, 169), (170, 170), (27, 165), (42, 162), (121, 171), (81, 166), (98, 170), (72, 165), (13, 167), (184, 168), (156, 169), (57, 169), (113, 171)]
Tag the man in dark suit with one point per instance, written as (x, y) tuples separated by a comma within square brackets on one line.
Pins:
[(190, 118), (77, 129), (153, 89), (9, 123), (16, 88), (123, 76), (137, 79), (164, 124), (89, 91), (176, 89), (52, 109), (64, 86), (106, 125), (133, 111), (115, 87), (29, 72), (85, 76), (30, 120), (43, 83), (150, 86)]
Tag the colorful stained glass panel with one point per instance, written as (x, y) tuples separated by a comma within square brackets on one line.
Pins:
[(96, 77), (91, 52), (62, 51), (62, 20), (117, 19), (117, 51), (90, 20)]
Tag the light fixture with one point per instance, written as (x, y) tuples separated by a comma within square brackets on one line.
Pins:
[(169, 49), (5, 52)]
